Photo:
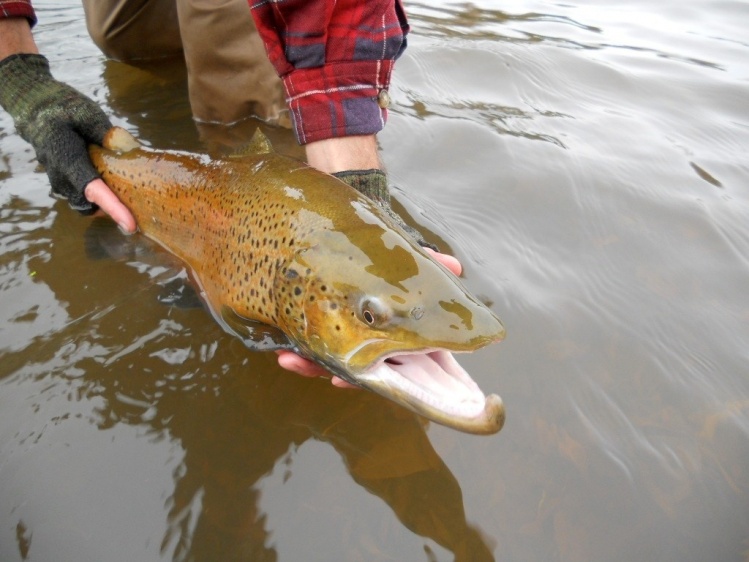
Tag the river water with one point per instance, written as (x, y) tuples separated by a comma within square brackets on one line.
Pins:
[(586, 161)]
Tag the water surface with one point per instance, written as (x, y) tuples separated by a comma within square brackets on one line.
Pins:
[(586, 161)]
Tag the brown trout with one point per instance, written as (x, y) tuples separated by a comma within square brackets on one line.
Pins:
[(289, 257)]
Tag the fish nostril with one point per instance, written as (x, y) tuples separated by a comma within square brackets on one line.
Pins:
[(417, 312), (392, 361)]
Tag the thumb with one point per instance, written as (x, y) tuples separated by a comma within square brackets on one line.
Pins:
[(97, 192), (450, 262)]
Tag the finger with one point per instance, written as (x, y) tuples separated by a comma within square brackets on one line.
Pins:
[(340, 383), (97, 192), (299, 365), (450, 262)]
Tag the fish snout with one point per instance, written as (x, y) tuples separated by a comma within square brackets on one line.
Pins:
[(465, 325)]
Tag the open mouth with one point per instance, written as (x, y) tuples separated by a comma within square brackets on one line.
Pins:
[(433, 384)]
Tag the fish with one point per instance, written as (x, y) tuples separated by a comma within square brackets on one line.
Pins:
[(288, 257)]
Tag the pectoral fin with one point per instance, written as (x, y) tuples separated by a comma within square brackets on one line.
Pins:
[(120, 140), (257, 336)]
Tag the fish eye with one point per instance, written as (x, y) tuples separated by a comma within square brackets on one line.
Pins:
[(374, 312), (368, 316)]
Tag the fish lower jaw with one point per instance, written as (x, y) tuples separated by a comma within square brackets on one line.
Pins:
[(434, 385)]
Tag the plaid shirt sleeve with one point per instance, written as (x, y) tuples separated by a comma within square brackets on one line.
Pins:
[(335, 60), (17, 8)]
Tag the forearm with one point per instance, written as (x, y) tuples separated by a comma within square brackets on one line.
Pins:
[(343, 153), (17, 17), (16, 37)]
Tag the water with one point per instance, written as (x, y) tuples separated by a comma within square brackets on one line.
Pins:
[(586, 161)]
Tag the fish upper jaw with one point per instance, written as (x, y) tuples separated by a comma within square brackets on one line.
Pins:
[(433, 384)]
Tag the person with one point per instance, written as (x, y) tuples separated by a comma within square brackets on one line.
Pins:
[(333, 61)]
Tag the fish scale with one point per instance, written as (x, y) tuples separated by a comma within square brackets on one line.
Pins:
[(184, 215)]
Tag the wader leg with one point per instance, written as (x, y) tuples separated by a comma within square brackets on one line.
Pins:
[(229, 75), (131, 30)]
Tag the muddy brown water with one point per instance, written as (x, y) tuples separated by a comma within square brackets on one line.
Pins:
[(587, 162)]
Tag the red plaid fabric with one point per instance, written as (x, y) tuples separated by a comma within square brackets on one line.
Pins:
[(17, 8), (334, 57)]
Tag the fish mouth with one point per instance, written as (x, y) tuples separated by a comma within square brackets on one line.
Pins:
[(433, 384)]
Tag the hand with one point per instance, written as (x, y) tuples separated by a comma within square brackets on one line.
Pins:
[(292, 362), (58, 121)]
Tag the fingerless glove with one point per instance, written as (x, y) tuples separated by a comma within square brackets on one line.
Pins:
[(57, 120)]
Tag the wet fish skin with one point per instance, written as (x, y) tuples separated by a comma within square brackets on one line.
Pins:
[(287, 256)]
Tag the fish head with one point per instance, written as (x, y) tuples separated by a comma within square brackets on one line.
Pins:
[(375, 309)]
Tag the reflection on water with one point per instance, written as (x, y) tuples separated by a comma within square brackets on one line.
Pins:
[(118, 357), (587, 163)]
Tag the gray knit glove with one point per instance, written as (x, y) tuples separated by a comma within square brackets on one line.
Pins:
[(57, 120), (374, 185)]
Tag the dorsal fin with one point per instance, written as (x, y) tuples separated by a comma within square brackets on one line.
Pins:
[(119, 140), (259, 144)]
